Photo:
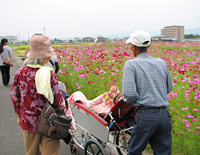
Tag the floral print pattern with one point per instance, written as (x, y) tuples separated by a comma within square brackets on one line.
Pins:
[(28, 104)]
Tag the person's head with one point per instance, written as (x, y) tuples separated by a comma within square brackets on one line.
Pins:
[(63, 89), (40, 50), (139, 42), (4, 41), (113, 91)]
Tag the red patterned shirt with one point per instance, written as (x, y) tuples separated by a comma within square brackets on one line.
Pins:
[(27, 103)]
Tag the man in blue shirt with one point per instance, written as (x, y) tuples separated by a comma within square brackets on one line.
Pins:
[(146, 83)]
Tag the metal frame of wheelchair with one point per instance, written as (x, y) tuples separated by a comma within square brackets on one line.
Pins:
[(94, 132)]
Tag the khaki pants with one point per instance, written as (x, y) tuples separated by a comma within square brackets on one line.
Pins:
[(34, 143)]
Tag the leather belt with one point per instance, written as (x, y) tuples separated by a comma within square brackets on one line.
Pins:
[(144, 107)]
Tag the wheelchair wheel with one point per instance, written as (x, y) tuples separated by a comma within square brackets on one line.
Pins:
[(122, 141), (93, 148), (74, 149)]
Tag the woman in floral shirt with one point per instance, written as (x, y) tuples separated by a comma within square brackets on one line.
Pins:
[(28, 103)]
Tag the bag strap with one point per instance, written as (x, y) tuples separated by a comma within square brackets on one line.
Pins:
[(49, 106), (51, 63)]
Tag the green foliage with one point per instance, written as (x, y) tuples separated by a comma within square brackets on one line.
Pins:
[(91, 69), (191, 36), (26, 47), (20, 53)]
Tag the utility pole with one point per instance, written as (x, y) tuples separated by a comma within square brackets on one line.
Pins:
[(19, 36), (44, 31), (28, 35)]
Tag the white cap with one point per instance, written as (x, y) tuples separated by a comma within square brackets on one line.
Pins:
[(138, 38)]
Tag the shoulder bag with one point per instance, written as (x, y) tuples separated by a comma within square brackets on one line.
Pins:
[(53, 122), (6, 61)]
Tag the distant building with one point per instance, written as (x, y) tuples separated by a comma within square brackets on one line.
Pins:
[(87, 39), (11, 39), (175, 32), (100, 39), (77, 40)]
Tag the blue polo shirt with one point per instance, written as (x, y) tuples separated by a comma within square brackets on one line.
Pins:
[(146, 81)]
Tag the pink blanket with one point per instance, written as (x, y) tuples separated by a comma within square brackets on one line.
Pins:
[(97, 105)]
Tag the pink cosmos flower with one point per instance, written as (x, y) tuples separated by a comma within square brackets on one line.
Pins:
[(197, 127), (175, 81), (81, 67), (197, 132), (188, 91), (188, 124), (190, 116), (87, 68), (82, 75), (186, 95), (186, 108), (172, 108), (195, 120), (195, 110), (169, 97), (181, 132), (195, 76)]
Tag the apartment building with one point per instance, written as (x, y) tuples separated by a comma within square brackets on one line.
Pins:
[(175, 32)]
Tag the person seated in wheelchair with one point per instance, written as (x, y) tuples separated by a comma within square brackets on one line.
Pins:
[(101, 104)]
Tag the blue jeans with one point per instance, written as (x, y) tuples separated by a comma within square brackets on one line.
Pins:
[(153, 126)]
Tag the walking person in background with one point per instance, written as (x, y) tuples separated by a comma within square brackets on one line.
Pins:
[(33, 84), (6, 53), (53, 63), (146, 83)]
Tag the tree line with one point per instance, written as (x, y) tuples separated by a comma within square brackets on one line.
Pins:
[(194, 36)]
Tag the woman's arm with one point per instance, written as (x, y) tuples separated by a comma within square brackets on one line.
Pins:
[(15, 95)]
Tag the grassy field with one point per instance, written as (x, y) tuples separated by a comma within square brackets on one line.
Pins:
[(92, 69), (21, 50)]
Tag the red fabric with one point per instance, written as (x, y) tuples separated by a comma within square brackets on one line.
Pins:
[(122, 109), (26, 101)]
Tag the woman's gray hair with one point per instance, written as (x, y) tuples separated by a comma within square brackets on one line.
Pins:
[(35, 61)]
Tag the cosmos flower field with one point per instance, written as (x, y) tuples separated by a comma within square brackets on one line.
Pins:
[(92, 69)]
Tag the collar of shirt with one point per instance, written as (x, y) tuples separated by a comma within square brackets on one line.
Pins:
[(143, 55)]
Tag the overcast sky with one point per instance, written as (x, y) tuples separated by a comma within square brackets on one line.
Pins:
[(79, 18)]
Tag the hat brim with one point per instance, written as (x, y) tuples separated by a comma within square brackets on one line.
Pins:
[(128, 41), (34, 55)]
